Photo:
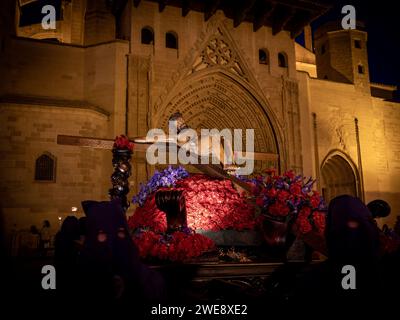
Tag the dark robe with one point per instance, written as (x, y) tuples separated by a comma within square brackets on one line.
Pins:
[(112, 272), (352, 239), (66, 253)]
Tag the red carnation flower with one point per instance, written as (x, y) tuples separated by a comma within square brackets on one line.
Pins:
[(303, 224), (279, 209), (271, 193), (305, 212), (289, 174), (283, 195), (319, 220), (122, 142), (270, 171), (315, 200), (295, 189), (260, 201)]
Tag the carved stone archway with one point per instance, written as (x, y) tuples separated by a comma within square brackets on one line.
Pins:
[(339, 176), (219, 99), (215, 87)]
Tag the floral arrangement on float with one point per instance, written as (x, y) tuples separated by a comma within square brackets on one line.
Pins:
[(279, 205), (211, 205), (289, 205), (178, 246)]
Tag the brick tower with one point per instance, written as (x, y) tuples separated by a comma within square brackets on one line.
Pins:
[(341, 55)]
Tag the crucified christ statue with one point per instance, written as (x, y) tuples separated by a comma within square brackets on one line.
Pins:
[(213, 142), (208, 145), (221, 151)]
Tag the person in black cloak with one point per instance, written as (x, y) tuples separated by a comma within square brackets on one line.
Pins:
[(352, 238), (112, 272), (66, 254), (390, 248), (82, 231), (351, 234)]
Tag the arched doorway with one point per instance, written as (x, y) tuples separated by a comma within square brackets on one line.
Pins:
[(218, 99), (339, 176)]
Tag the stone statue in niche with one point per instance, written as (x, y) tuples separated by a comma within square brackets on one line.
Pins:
[(336, 128), (340, 136)]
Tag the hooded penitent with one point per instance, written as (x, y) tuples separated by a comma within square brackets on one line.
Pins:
[(66, 256), (352, 240), (351, 234), (65, 249), (110, 260)]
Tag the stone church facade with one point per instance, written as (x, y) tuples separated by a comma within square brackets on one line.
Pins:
[(101, 76)]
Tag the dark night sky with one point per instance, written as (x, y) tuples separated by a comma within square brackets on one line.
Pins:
[(32, 12), (382, 20)]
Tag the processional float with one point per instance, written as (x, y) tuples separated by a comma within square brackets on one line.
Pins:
[(172, 202)]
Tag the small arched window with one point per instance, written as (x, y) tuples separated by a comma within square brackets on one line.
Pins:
[(360, 69), (171, 40), (147, 35), (45, 168), (263, 56), (282, 60)]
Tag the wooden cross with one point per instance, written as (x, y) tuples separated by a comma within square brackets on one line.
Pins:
[(208, 169)]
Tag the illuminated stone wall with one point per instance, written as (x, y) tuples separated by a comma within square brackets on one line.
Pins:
[(214, 77), (382, 151), (336, 106), (28, 131), (56, 89)]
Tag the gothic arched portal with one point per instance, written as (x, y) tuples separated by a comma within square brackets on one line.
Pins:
[(219, 100), (339, 176)]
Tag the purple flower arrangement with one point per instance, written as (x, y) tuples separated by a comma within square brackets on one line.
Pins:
[(161, 179), (285, 195)]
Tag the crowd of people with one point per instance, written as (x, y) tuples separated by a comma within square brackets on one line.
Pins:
[(353, 239), (95, 257), (97, 262), (32, 241)]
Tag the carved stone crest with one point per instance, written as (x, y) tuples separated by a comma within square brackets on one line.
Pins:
[(217, 52)]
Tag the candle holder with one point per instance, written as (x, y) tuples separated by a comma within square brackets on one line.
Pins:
[(122, 154), (172, 202)]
